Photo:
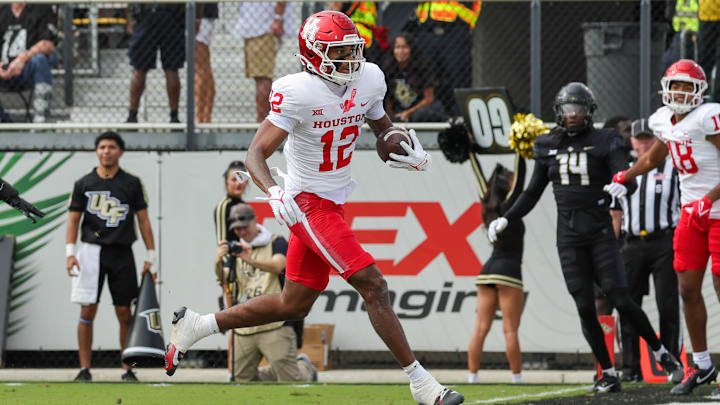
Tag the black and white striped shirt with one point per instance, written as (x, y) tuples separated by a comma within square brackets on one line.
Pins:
[(655, 206)]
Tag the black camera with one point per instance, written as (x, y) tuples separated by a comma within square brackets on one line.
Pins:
[(235, 247)]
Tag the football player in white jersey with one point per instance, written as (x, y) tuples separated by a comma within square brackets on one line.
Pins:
[(687, 129), (320, 112)]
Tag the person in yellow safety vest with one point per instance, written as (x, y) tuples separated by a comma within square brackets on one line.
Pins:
[(686, 16), (364, 15), (449, 11), (444, 30), (708, 43)]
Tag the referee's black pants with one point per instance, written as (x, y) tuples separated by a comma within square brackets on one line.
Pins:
[(645, 258)]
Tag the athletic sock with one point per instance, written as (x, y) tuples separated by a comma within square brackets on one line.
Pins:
[(207, 325), (415, 371), (702, 359), (610, 371), (472, 378), (659, 352), (517, 378)]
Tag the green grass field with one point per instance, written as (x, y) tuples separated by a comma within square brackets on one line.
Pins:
[(261, 394)]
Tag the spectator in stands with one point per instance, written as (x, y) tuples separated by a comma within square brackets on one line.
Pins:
[(258, 263), (204, 80), (708, 42), (364, 15), (445, 31), (685, 23), (262, 26), (157, 27), (500, 282), (28, 34), (411, 84), (234, 190)]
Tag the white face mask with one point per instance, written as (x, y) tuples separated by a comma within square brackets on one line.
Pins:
[(689, 100)]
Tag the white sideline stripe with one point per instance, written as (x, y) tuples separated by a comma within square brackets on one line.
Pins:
[(143, 350), (332, 261), (538, 395)]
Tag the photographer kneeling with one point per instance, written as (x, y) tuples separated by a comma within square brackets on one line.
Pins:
[(257, 267)]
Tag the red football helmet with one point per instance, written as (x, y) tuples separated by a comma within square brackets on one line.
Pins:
[(322, 31), (684, 70)]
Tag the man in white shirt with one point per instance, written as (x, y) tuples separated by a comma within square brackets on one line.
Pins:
[(262, 25)]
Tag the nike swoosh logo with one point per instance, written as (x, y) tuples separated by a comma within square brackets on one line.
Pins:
[(589, 147), (702, 380), (363, 105), (702, 213)]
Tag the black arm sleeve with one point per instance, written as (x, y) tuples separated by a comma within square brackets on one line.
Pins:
[(527, 200), (617, 162)]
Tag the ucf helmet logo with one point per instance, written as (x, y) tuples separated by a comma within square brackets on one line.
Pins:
[(106, 207), (152, 316)]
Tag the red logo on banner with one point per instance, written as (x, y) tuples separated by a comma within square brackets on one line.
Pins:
[(442, 237)]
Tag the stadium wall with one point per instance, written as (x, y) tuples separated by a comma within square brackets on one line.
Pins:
[(423, 228)]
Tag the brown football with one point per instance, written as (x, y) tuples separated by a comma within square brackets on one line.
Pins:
[(389, 142)]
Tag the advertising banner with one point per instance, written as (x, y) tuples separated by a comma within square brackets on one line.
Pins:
[(424, 230)]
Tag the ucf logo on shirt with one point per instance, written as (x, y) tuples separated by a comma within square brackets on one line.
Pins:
[(106, 207)]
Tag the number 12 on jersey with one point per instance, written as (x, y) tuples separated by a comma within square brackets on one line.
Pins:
[(575, 163), (328, 139)]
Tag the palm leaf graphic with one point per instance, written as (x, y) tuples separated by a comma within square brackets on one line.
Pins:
[(30, 238)]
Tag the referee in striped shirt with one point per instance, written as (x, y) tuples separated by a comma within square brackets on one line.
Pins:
[(650, 215)]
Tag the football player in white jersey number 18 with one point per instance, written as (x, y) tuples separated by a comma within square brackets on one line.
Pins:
[(320, 112), (687, 130)]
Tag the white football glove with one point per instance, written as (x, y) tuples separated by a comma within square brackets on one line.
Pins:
[(242, 176), (496, 227), (616, 190), (416, 160), (284, 206)]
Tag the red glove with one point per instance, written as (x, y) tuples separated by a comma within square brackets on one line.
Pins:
[(619, 177), (700, 213)]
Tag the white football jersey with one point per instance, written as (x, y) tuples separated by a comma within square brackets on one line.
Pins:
[(323, 128), (695, 158)]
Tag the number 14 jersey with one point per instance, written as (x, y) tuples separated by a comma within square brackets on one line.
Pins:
[(696, 159), (323, 121)]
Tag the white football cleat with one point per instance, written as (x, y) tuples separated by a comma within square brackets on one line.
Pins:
[(428, 391), (184, 335)]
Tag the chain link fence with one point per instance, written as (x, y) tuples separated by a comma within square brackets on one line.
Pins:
[(597, 42)]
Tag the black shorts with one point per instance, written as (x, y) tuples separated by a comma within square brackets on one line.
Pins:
[(158, 30), (118, 264), (599, 262), (501, 270)]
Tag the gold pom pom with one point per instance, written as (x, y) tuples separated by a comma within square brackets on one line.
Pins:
[(523, 131)]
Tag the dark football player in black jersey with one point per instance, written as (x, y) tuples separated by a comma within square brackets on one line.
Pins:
[(580, 160), (107, 199)]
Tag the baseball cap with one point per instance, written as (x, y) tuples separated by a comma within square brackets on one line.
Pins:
[(640, 127), (241, 215)]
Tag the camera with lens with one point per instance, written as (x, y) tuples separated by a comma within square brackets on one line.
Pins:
[(235, 247)]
